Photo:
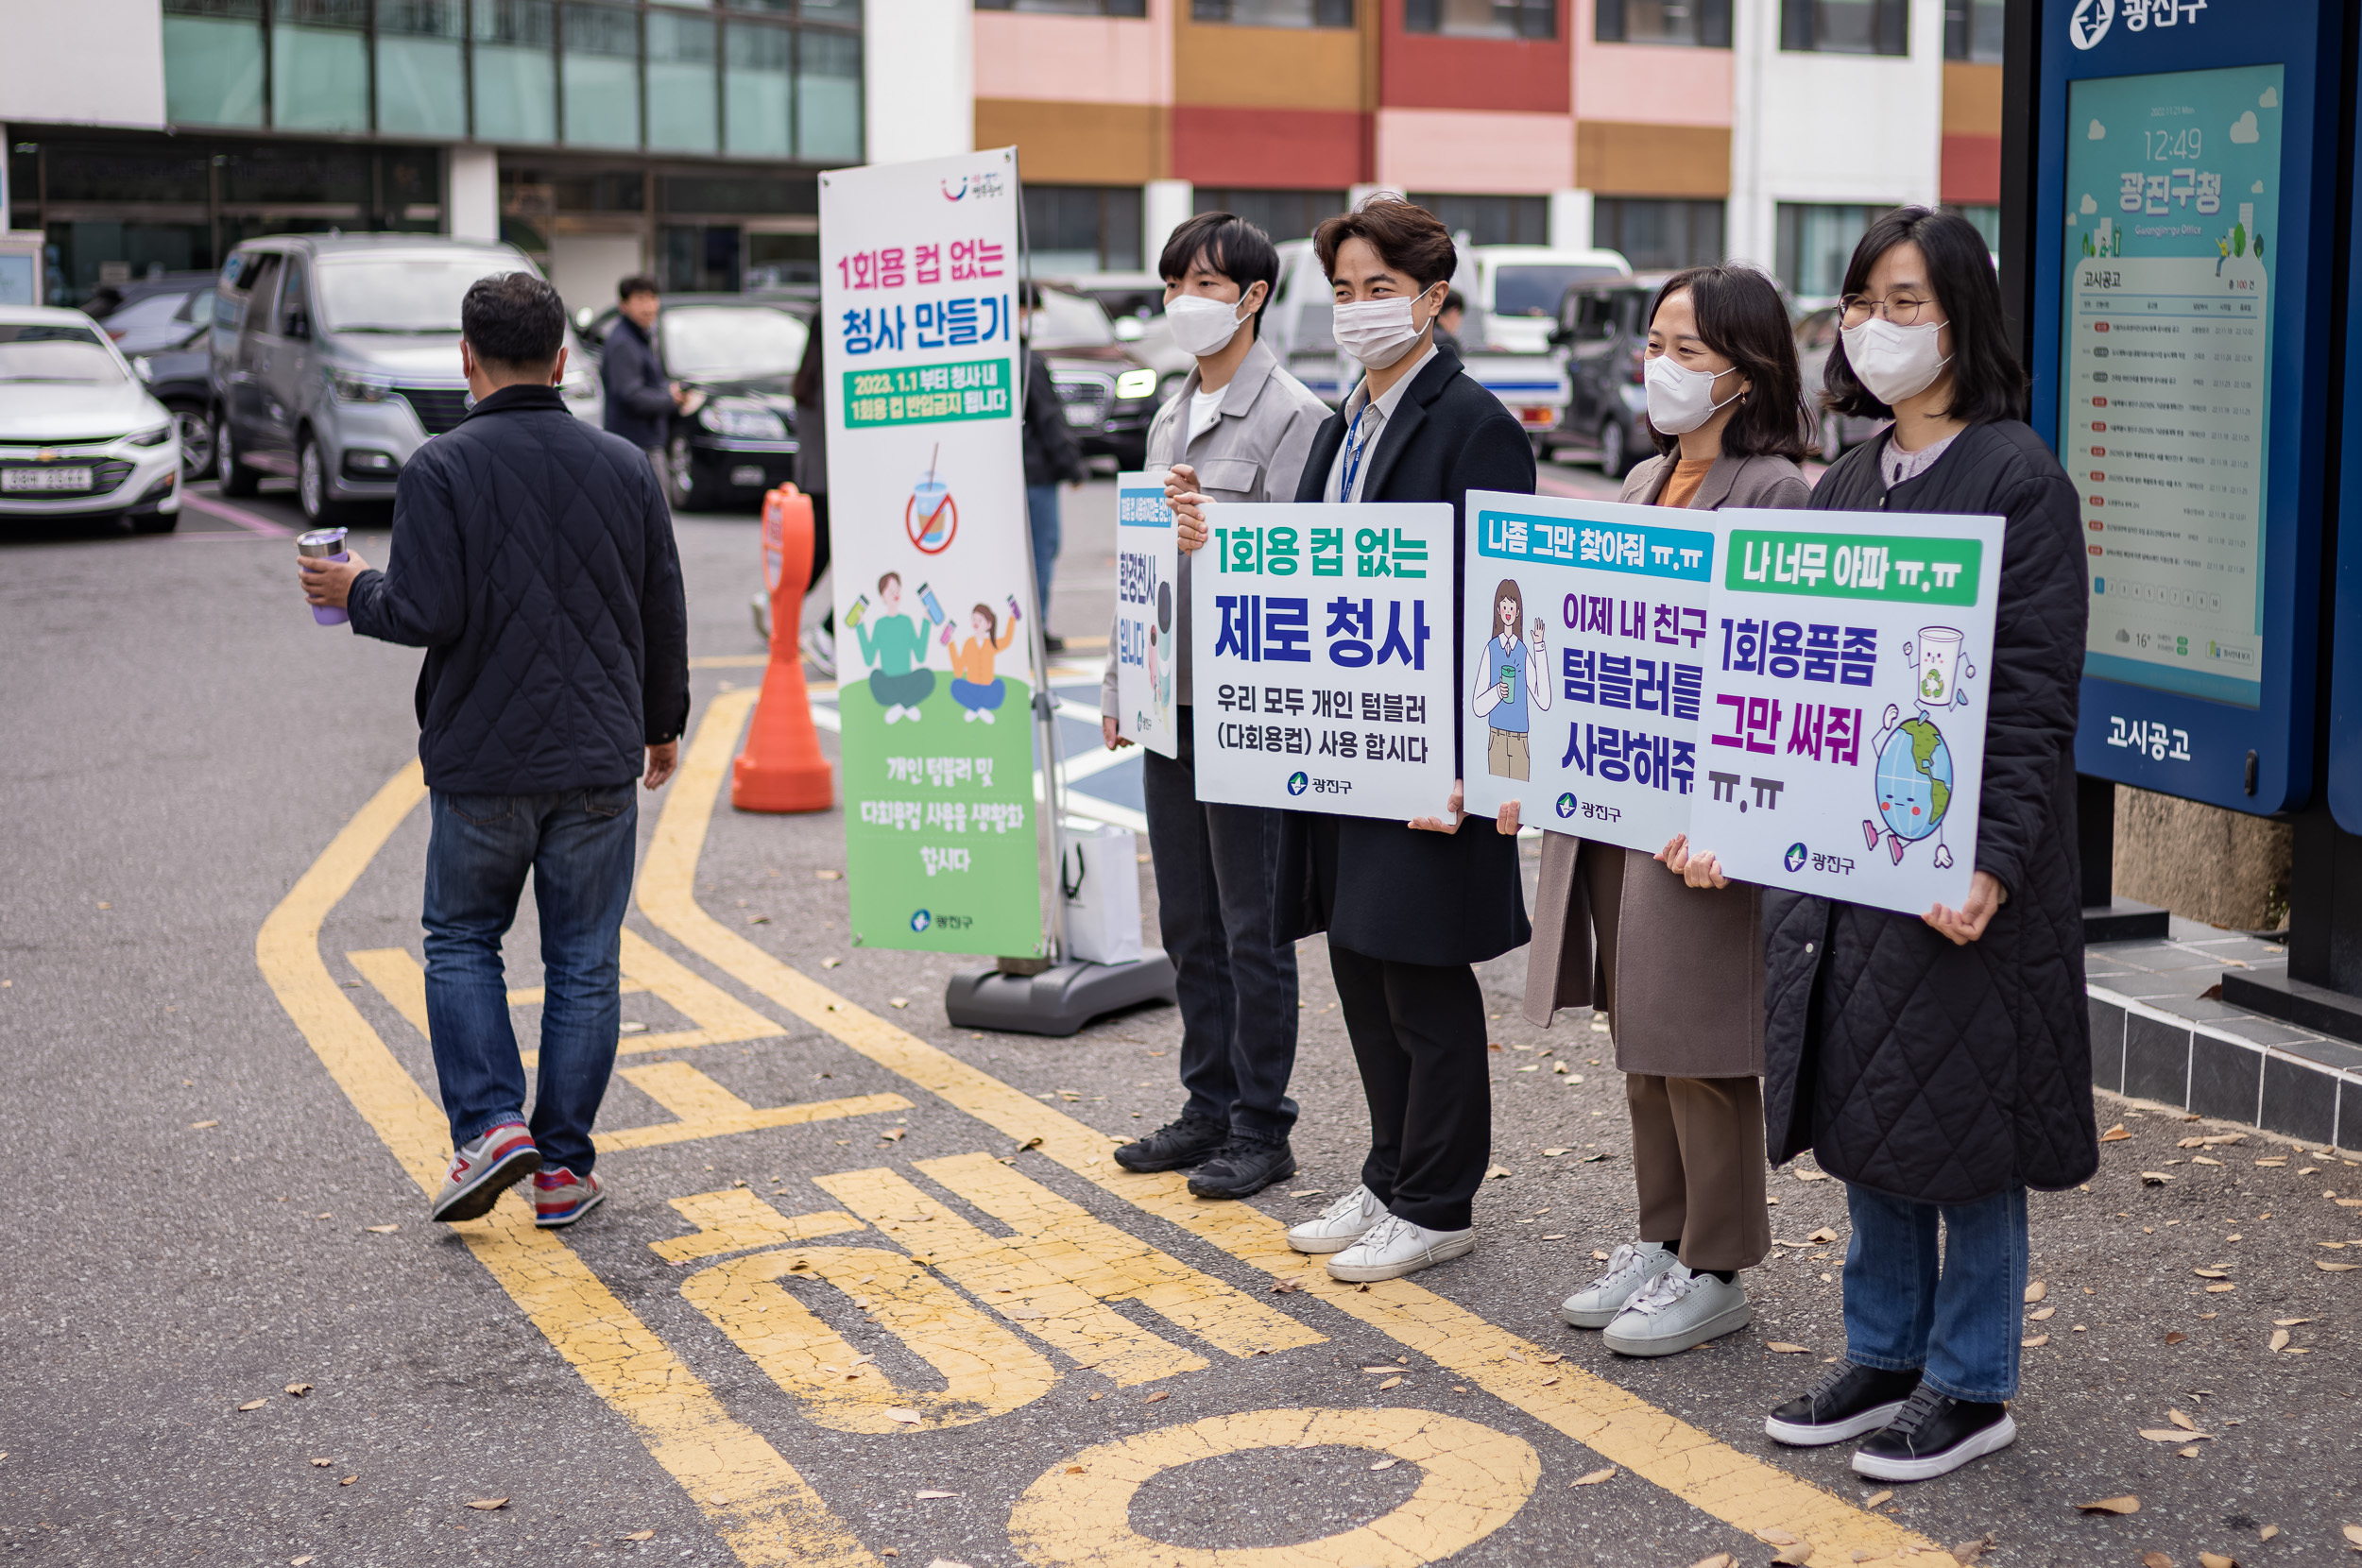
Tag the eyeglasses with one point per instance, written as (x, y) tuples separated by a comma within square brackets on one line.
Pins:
[(1904, 309)]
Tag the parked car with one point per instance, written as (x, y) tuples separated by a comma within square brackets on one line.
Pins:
[(152, 313), (79, 435), (1604, 331), (1135, 303), (180, 376), (741, 353), (1109, 391), (335, 357), (1816, 334)]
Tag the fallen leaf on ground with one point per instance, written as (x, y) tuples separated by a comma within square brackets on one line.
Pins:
[(381, 1230), (255, 1404), (490, 1504), (1878, 1499), (2041, 1314), (201, 1126), (2212, 1273), (2354, 1536), (1385, 1464), (1800, 1552), (825, 964), (298, 1562), (2035, 1343), (2267, 1532), (1496, 1172), (946, 1563), (2176, 1337), (2204, 1159), (1167, 1394), (1287, 1288), (1308, 1192), (2182, 1421), (1554, 1153), (1969, 1551), (1594, 1478), (2037, 1291), (830, 876), (2154, 1178), (924, 1495), (1095, 1398), (322, 1465), (1382, 1368), (2170, 1434), (1389, 1382), (2113, 1504), (2219, 1290), (2155, 1560), (2328, 1268), (905, 1001), (2279, 1338), (1776, 1535), (1812, 1176), (2289, 1322), (1787, 1349), (297, 1390), (2114, 1135), (1546, 1382), (1719, 1559), (2216, 1560), (1599, 1256), (893, 1135), (638, 1535), (909, 1418), (1823, 1233)]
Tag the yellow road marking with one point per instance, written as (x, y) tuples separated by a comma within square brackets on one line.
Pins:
[(1472, 1481), (986, 1369), (1750, 1494), (707, 1110), (766, 1512), (1004, 1275), (734, 1220)]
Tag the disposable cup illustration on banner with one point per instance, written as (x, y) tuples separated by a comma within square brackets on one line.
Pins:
[(930, 517), (1939, 668), (1913, 771)]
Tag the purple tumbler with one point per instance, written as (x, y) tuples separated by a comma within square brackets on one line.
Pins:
[(324, 544)]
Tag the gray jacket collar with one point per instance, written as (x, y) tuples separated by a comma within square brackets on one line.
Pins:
[(1713, 490), (1244, 386)]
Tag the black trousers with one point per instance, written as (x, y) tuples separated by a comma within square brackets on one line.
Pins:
[(1418, 1037)]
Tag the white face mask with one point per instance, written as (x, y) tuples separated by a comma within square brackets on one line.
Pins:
[(1894, 363), (1376, 331), (1203, 326), (1680, 399)]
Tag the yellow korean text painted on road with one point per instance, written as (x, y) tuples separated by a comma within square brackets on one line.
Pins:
[(763, 1508), (1738, 1489), (1472, 1481)]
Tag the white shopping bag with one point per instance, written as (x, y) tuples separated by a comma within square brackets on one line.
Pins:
[(1099, 872)]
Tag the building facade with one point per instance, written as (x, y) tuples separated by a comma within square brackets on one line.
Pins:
[(684, 137)]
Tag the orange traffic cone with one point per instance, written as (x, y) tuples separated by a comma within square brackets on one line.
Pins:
[(781, 768)]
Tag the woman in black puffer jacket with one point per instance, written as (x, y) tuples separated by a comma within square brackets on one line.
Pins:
[(1941, 1065)]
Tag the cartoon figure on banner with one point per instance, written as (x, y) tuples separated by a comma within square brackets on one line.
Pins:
[(896, 646), (1509, 673), (975, 687), (1912, 774), (1159, 667)]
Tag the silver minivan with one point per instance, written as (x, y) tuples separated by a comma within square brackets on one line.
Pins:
[(335, 357)]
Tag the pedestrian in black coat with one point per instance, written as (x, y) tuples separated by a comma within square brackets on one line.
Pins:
[(1408, 906), (1941, 1065)]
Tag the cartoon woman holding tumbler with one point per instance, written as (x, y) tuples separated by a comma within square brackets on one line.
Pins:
[(975, 687), (1509, 673)]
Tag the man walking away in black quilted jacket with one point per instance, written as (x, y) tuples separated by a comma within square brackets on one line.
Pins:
[(534, 562)]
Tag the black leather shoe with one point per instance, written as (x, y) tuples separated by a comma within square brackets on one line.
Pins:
[(1934, 1436), (1175, 1146), (1847, 1401), (1244, 1167)]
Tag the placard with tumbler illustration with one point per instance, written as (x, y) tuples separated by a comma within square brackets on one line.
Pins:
[(1148, 583)]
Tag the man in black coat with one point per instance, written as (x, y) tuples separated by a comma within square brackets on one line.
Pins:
[(1408, 906), (640, 401), (535, 564)]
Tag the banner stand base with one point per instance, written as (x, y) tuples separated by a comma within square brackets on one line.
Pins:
[(1060, 999)]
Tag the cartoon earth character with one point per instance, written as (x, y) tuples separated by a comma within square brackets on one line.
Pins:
[(1913, 773)]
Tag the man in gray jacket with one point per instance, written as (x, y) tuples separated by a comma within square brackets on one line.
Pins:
[(1239, 429)]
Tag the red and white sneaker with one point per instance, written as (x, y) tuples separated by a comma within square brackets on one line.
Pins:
[(482, 1169), (561, 1197)]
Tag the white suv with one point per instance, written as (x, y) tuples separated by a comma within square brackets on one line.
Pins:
[(80, 437)]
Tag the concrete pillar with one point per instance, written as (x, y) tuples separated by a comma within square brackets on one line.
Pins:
[(919, 79), (2202, 862), (472, 195), (1165, 206), (1570, 220)]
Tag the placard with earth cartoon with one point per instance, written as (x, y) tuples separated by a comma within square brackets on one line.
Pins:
[(1841, 742)]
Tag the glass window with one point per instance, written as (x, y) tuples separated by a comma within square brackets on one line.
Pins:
[(1274, 13), (1971, 30), (1282, 214), (1658, 235), (756, 76), (775, 260), (1481, 18), (1846, 26), (731, 342), (319, 65), (697, 258), (1071, 229), (601, 77), (1815, 242), (118, 171), (516, 71), (213, 63), (827, 96), (1696, 22), (421, 78), (1493, 219), (401, 294), (45, 352), (1069, 7), (296, 174), (85, 253), (681, 85)]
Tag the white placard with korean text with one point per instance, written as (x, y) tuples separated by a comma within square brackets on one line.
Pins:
[(1148, 586), (1848, 674), (1584, 697), (1321, 659)]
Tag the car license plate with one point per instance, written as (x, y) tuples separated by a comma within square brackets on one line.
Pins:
[(1080, 414), (746, 474), (21, 479)]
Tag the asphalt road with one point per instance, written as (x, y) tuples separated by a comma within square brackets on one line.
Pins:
[(215, 1112)]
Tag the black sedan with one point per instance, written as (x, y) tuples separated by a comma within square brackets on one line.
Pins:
[(737, 438), (1109, 389)]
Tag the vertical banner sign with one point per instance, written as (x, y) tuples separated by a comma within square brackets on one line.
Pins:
[(1841, 741), (1585, 694), (1148, 611), (2174, 189), (1321, 657), (918, 293)]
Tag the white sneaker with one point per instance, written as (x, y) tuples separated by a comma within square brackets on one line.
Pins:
[(1394, 1247), (1340, 1225), (911, 714), (819, 648), (893, 713), (985, 714), (1675, 1311), (970, 716), (1631, 1268)]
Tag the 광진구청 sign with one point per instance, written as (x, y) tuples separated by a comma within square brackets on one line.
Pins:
[(1584, 696), (1321, 657), (1148, 583), (1841, 742)]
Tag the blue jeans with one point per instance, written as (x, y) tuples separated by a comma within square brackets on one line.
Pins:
[(1237, 985), (1041, 511), (578, 844), (1960, 1322)]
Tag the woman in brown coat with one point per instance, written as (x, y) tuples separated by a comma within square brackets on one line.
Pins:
[(1678, 970)]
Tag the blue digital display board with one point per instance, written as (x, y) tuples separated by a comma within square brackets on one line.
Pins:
[(2182, 238), (2344, 741)]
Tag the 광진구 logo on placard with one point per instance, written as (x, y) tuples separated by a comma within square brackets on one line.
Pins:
[(1298, 782), (2088, 23), (1567, 805), (1794, 859), (920, 920)]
